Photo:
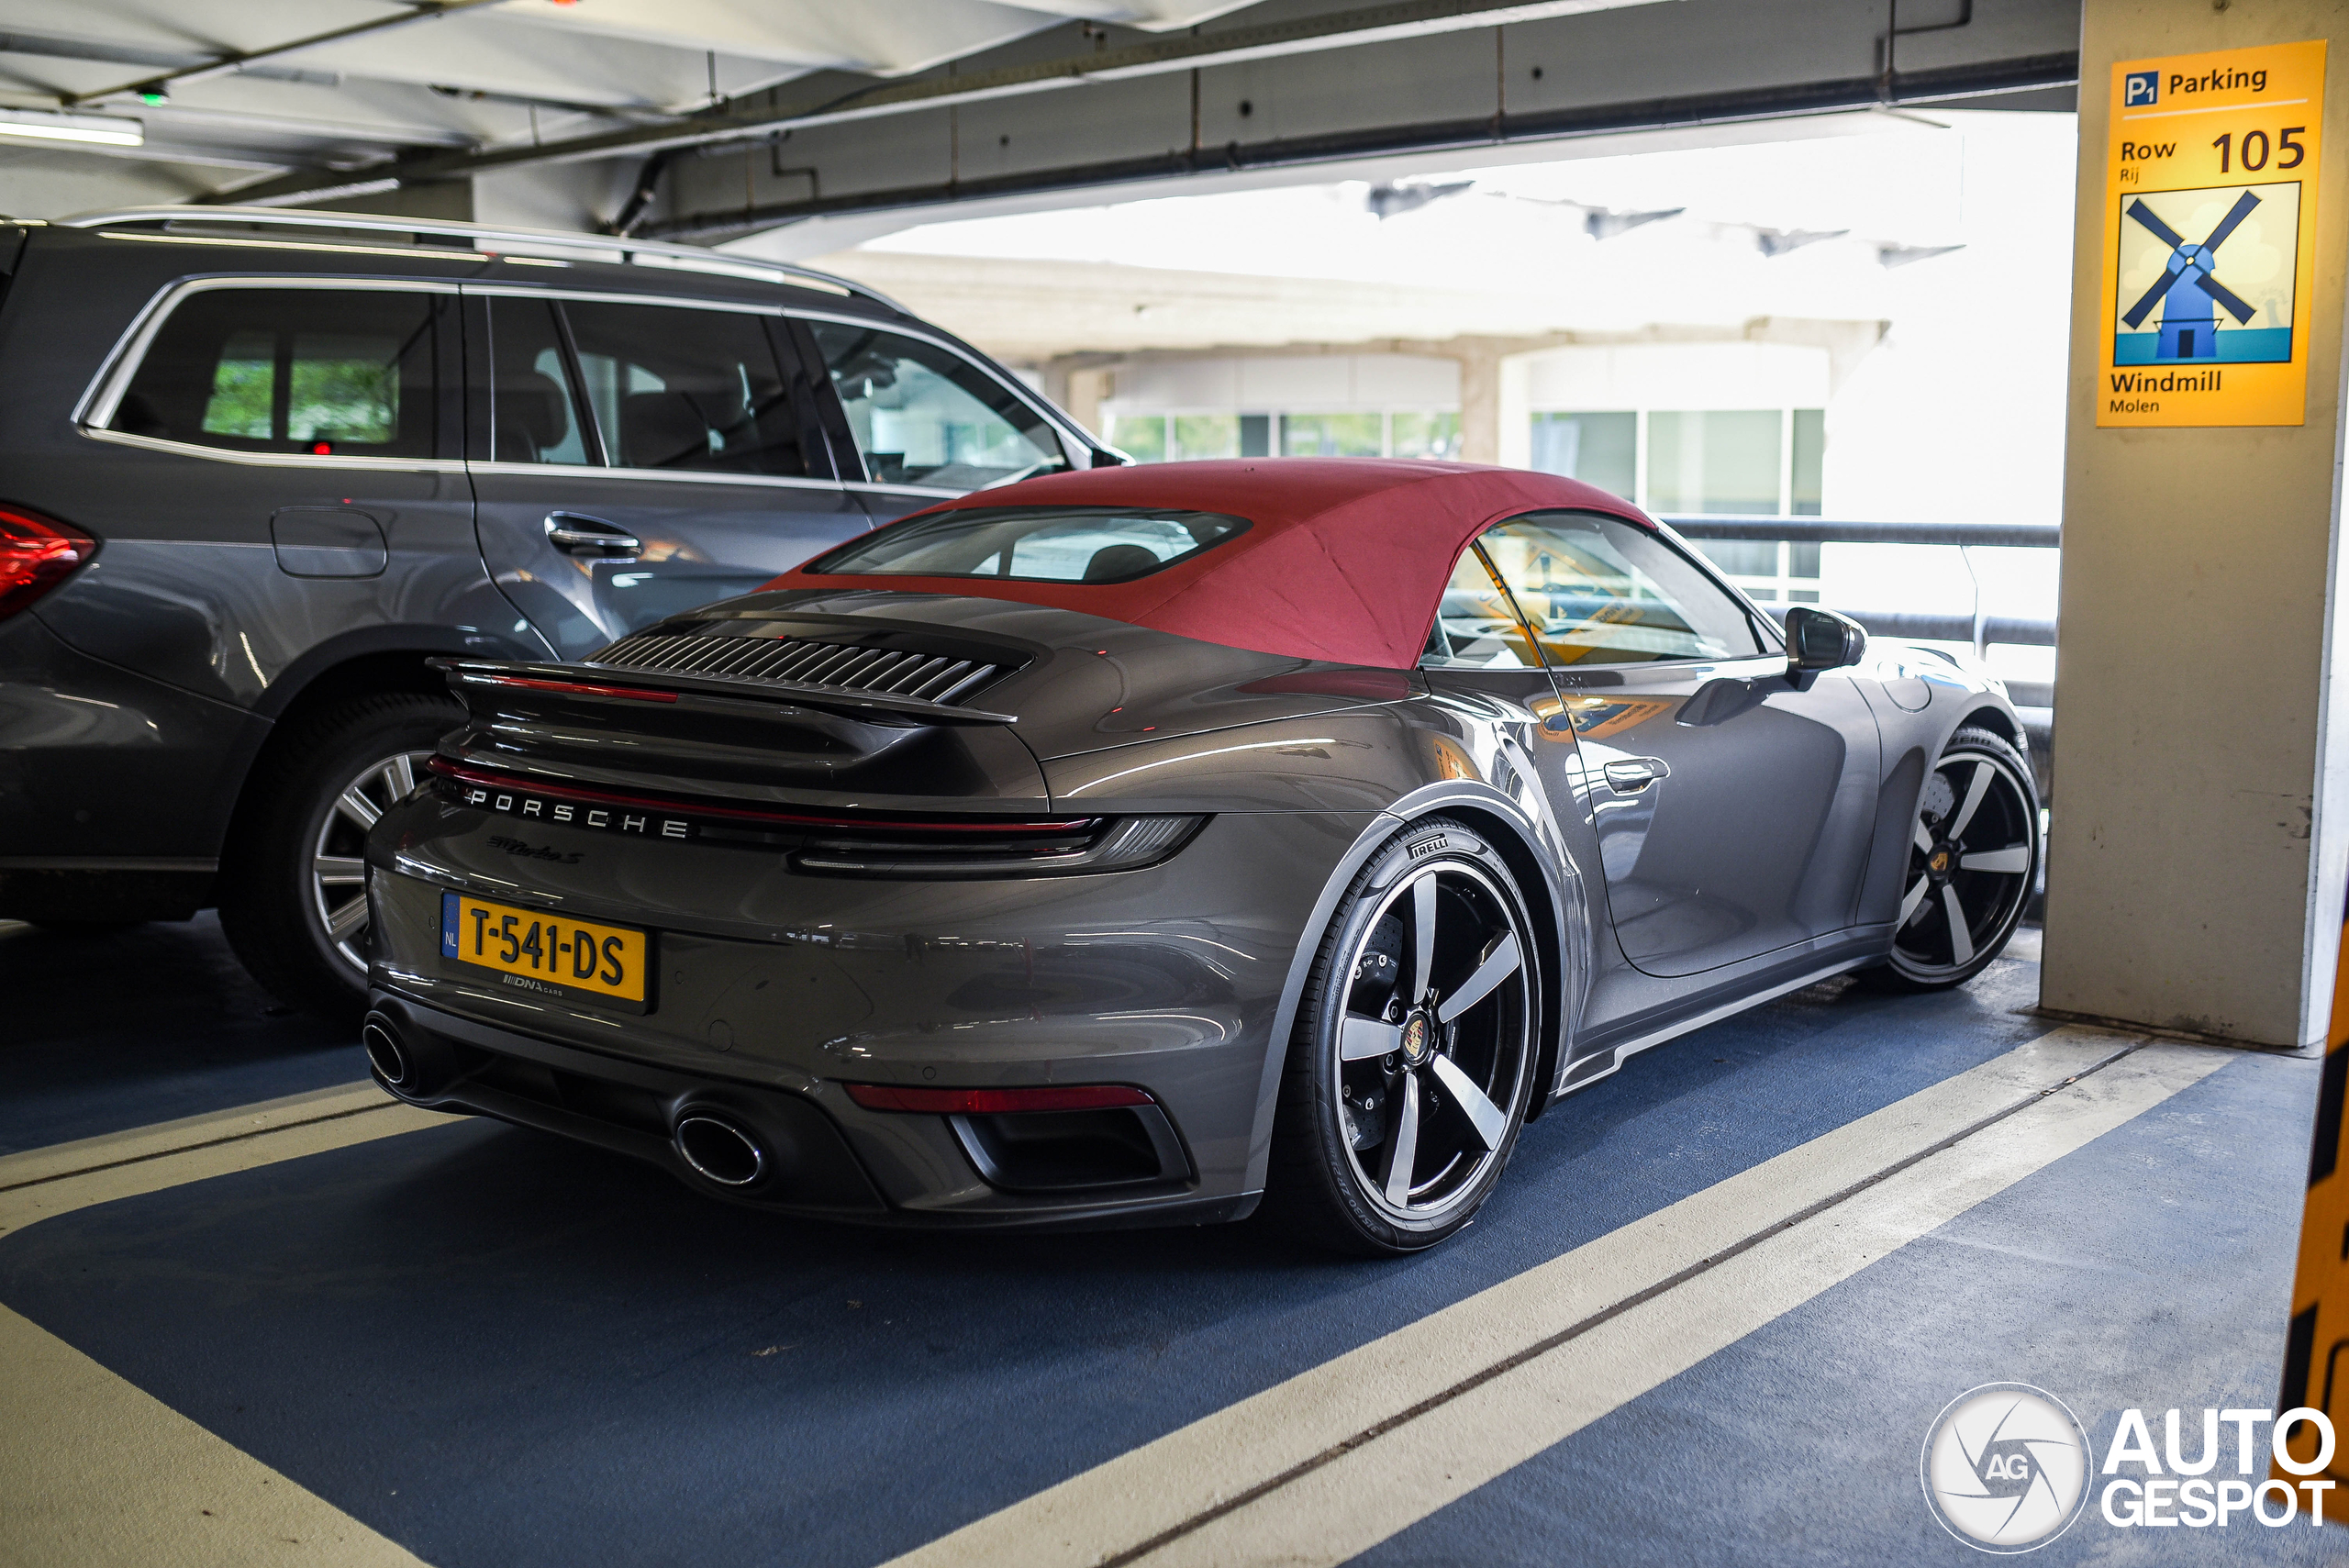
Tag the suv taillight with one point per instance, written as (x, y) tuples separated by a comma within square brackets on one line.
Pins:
[(37, 553)]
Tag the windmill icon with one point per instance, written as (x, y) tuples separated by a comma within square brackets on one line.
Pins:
[(2188, 290)]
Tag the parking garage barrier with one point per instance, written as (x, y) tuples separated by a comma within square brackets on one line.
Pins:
[(2034, 700), (1979, 629), (1822, 531)]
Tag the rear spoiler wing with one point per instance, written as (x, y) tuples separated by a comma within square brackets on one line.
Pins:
[(599, 680)]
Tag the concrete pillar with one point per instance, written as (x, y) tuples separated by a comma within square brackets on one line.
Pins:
[(1080, 384), (1480, 403), (2196, 860), (1493, 413)]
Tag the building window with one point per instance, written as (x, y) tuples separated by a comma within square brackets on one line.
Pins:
[(1331, 434), (1423, 435), (1176, 438), (1597, 449), (1750, 462), (1205, 436), (1731, 461), (1141, 437), (1806, 461)]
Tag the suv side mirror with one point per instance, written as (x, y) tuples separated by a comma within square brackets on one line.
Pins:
[(1821, 639)]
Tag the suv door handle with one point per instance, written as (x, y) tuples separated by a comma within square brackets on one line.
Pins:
[(1633, 774), (576, 533)]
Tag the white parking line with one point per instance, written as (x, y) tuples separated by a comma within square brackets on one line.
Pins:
[(40, 1184), (94, 1470), (1322, 1467)]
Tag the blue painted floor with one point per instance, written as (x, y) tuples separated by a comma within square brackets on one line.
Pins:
[(2152, 1269), (106, 1030), (500, 1348)]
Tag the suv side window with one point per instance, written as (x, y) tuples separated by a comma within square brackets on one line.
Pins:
[(534, 413), (922, 416), (1599, 590), (673, 388), (325, 371)]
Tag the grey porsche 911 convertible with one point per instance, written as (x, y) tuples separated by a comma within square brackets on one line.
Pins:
[(1138, 845)]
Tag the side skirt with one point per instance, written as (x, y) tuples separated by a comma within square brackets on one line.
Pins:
[(1603, 1064)]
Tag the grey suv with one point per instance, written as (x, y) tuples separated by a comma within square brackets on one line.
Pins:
[(257, 466)]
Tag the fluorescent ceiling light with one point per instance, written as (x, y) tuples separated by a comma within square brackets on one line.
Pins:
[(107, 130)]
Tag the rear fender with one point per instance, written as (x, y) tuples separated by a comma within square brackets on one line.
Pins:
[(1558, 893)]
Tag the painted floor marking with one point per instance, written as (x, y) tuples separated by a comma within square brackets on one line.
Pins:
[(95, 1470), (41, 1184), (52, 1161), (1320, 1468)]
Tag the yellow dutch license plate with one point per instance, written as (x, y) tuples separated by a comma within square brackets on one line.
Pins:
[(554, 955)]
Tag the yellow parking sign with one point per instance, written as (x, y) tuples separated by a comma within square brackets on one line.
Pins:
[(2209, 236)]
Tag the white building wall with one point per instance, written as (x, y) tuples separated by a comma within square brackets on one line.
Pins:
[(1321, 384), (1677, 376)]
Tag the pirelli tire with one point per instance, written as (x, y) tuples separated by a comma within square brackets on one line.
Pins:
[(1412, 1065), (292, 889), (1973, 859)]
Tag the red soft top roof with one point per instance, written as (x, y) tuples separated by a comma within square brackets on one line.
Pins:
[(1346, 562)]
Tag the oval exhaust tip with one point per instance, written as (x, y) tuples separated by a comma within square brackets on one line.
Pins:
[(384, 1052), (720, 1150)]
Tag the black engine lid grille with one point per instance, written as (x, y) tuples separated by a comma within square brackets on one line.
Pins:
[(839, 666)]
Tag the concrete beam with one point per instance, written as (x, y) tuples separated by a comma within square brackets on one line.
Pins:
[(1695, 63)]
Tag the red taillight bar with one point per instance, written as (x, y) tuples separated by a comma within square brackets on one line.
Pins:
[(37, 553), (574, 688), (995, 1102), (517, 784)]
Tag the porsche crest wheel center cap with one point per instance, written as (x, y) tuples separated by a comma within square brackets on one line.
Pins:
[(1940, 861), (1415, 1040)]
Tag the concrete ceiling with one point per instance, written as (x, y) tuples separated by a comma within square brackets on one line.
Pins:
[(724, 121), (230, 91)]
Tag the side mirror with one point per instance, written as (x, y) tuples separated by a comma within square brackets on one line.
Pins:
[(1821, 639)]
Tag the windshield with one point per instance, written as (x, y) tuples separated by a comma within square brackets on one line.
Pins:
[(1035, 544)]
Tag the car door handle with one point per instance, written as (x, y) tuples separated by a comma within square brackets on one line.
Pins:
[(576, 533), (1633, 774)]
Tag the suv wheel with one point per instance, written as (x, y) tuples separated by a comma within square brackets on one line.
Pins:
[(293, 886)]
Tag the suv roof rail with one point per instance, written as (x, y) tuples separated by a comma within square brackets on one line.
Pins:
[(521, 241)]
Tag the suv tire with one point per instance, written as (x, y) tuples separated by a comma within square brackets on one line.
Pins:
[(292, 851)]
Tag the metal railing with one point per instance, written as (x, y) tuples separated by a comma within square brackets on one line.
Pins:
[(1980, 628)]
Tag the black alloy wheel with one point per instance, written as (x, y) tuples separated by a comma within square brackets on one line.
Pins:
[(1412, 1067), (293, 886), (1972, 861)]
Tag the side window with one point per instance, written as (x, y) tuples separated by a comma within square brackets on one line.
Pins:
[(1602, 591), (1475, 628), (533, 415), (922, 416), (678, 388), (325, 371)]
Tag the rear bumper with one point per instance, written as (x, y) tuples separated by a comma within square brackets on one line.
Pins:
[(813, 1141), (1168, 979)]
